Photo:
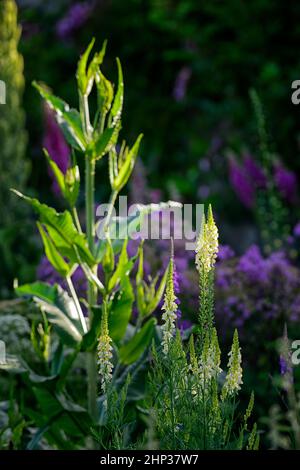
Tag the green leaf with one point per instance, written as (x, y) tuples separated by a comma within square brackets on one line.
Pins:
[(105, 94), (140, 294), (103, 143), (158, 294), (81, 75), (63, 325), (53, 255), (119, 314), (120, 310), (60, 226), (53, 294), (58, 307), (38, 289), (67, 118), (131, 351), (121, 269), (117, 106), (72, 183), (127, 166), (59, 176)]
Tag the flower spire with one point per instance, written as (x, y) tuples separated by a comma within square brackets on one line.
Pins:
[(207, 244), (233, 379), (206, 254), (169, 315), (104, 351)]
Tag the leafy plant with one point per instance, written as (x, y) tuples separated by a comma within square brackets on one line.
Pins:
[(194, 401), (65, 331)]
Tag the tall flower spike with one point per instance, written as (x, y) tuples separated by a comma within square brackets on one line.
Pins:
[(206, 254), (207, 244), (170, 308), (234, 376), (209, 365), (104, 351)]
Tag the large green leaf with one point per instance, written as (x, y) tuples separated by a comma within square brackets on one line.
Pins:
[(123, 268), (60, 419), (67, 118), (60, 226), (39, 289), (120, 310), (119, 314), (134, 348), (52, 253), (64, 326), (59, 308)]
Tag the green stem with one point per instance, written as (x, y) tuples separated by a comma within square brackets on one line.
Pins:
[(76, 219), (111, 205), (77, 304), (92, 292), (90, 229)]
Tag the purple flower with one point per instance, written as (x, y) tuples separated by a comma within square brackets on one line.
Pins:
[(253, 265), (254, 171), (54, 142), (181, 83), (225, 252), (183, 325), (241, 183), (286, 182), (297, 230), (75, 17)]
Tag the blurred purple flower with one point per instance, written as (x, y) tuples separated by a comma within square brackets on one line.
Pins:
[(75, 17), (241, 183), (181, 83), (253, 265), (225, 252), (254, 171), (296, 230), (203, 192), (253, 290), (286, 182), (54, 142)]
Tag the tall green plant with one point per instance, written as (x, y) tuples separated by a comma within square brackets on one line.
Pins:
[(106, 335), (13, 165), (193, 400)]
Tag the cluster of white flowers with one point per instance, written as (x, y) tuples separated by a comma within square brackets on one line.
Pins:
[(207, 244), (104, 353), (234, 375), (209, 364), (170, 308)]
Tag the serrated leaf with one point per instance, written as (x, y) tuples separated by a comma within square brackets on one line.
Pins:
[(60, 226)]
